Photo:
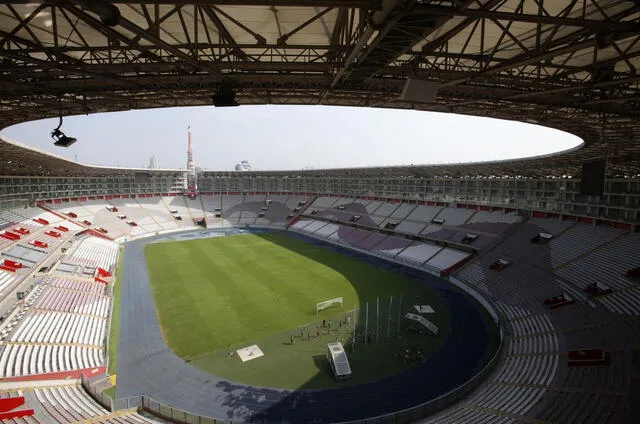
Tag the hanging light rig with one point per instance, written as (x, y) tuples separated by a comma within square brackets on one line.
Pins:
[(60, 138)]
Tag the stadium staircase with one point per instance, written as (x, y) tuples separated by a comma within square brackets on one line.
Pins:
[(63, 216), (297, 215), (147, 213), (466, 221), (511, 231), (241, 208), (204, 212), (165, 205), (186, 205)]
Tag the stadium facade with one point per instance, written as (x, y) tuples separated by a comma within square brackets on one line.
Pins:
[(30, 176)]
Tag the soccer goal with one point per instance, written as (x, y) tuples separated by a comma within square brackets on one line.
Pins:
[(320, 306)]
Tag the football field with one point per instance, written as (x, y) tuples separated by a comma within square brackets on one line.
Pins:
[(219, 294)]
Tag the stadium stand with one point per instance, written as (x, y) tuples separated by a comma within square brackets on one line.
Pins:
[(65, 323), (544, 386), (454, 217), (61, 324), (196, 209), (68, 403), (94, 251), (567, 224), (423, 255), (157, 211), (61, 327)]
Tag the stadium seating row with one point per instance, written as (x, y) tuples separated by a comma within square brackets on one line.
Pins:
[(67, 403), (417, 219), (32, 359), (59, 327), (416, 253), (62, 323), (533, 380), (170, 213), (64, 300), (94, 251)]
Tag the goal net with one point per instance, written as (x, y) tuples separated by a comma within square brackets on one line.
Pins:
[(320, 306)]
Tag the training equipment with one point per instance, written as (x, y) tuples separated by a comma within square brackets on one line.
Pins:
[(250, 352), (328, 303), (338, 360)]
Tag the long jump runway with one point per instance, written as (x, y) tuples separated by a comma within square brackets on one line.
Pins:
[(146, 366)]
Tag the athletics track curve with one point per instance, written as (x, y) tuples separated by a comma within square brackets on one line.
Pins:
[(147, 366)]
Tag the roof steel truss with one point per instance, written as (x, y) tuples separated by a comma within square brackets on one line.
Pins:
[(572, 64)]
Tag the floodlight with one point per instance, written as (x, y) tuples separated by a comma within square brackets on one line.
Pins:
[(60, 138), (109, 14)]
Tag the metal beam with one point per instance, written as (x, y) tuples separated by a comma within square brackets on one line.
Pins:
[(358, 4), (443, 38), (595, 25), (284, 37), (135, 29), (378, 19), (530, 58)]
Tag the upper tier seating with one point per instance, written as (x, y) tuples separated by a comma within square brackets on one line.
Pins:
[(421, 254), (158, 217), (414, 219), (454, 216)]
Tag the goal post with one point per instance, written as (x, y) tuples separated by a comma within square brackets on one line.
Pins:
[(320, 306)]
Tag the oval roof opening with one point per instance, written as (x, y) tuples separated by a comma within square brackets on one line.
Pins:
[(293, 137)]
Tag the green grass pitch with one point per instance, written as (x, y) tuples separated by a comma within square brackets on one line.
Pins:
[(215, 295)]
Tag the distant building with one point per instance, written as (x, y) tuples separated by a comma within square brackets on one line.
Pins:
[(153, 162), (243, 166), (192, 177)]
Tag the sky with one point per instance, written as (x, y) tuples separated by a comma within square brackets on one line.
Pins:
[(290, 137)]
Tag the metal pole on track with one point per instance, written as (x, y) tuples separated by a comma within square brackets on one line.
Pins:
[(377, 319), (399, 316), (353, 336), (366, 324), (389, 316)]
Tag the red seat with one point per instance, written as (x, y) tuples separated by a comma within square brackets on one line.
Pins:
[(7, 406)]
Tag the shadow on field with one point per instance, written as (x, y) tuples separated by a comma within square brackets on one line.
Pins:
[(460, 355)]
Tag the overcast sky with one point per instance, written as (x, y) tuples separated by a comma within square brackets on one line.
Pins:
[(290, 137)]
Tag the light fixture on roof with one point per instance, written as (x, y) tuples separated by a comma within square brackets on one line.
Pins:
[(61, 139), (108, 13)]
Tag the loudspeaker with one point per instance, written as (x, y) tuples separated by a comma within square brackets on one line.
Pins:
[(224, 97), (419, 91), (592, 178)]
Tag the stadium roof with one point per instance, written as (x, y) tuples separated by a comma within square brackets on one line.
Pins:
[(567, 64), (20, 160)]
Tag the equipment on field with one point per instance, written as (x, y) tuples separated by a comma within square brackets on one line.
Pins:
[(339, 361), (328, 303), (424, 324)]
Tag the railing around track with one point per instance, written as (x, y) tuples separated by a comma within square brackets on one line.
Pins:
[(417, 412)]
